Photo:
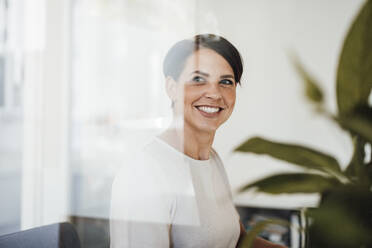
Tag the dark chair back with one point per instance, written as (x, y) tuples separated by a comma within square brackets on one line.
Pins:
[(60, 235)]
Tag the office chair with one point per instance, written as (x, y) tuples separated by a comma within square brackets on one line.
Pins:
[(59, 235)]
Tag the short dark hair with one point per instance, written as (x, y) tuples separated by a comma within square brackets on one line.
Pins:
[(176, 57)]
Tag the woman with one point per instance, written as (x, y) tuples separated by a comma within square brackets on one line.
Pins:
[(174, 192)]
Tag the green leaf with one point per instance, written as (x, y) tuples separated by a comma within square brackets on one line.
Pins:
[(354, 74), (355, 169), (359, 122), (258, 228), (292, 183), (295, 154), (346, 210), (330, 222), (312, 90), (369, 173)]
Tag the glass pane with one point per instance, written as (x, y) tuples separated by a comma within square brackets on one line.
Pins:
[(118, 91), (2, 81), (119, 99), (11, 124)]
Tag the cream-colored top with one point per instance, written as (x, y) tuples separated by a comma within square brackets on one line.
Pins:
[(163, 198)]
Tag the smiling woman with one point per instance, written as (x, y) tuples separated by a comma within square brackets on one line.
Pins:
[(208, 85), (175, 192), (201, 78)]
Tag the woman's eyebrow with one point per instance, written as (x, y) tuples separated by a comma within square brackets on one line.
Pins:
[(201, 73), (207, 75), (227, 76)]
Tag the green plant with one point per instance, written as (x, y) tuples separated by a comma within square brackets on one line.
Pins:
[(343, 217)]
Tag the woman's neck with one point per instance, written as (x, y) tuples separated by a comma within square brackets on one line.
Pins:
[(195, 144)]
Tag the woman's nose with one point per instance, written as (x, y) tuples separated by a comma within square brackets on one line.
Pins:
[(213, 91)]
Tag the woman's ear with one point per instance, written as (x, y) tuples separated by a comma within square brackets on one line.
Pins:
[(171, 87)]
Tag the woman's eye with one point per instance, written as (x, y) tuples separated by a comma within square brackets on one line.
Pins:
[(227, 82), (198, 79)]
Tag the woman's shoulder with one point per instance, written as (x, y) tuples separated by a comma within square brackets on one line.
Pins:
[(215, 156), (220, 166), (154, 162), (139, 183), (216, 159), (139, 164)]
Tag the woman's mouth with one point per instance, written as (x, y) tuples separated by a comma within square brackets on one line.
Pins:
[(209, 111)]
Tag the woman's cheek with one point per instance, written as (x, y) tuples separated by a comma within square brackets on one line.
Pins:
[(230, 96)]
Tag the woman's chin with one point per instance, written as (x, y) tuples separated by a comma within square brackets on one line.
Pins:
[(205, 127)]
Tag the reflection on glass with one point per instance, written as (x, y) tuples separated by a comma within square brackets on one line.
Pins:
[(118, 93), (174, 191), (11, 123)]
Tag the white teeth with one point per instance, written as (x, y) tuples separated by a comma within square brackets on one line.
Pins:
[(208, 109)]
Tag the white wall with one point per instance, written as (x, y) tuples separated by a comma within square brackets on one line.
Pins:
[(270, 102)]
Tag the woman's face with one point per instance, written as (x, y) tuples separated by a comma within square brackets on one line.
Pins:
[(209, 90)]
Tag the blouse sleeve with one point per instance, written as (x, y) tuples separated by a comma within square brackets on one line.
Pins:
[(141, 208)]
